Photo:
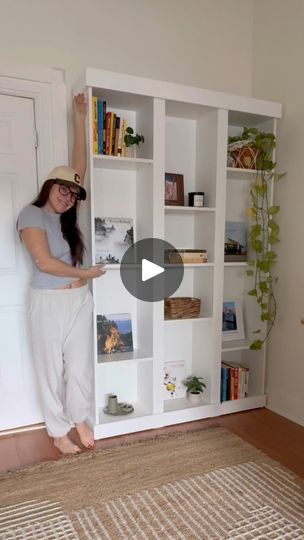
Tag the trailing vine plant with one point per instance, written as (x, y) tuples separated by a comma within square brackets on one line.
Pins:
[(264, 231)]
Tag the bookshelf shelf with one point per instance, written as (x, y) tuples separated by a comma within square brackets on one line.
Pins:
[(123, 163), (136, 355), (188, 209), (241, 345), (185, 132)]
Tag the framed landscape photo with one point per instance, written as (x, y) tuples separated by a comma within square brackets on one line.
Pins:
[(174, 189), (232, 322), (113, 236), (114, 333), (235, 241)]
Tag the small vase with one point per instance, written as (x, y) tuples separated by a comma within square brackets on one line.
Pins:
[(130, 152), (195, 399)]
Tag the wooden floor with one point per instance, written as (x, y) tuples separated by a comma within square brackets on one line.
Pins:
[(278, 437)]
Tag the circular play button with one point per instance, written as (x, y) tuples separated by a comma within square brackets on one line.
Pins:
[(151, 269)]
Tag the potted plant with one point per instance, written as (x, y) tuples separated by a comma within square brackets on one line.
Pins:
[(195, 387), (264, 231), (131, 140)]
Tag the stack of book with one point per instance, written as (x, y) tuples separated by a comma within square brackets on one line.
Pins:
[(234, 381), (108, 130), (190, 256)]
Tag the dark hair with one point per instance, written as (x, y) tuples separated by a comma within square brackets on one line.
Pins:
[(70, 230)]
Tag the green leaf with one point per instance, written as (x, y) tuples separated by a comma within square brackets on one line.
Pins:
[(251, 262), (273, 210), (253, 292), (250, 272), (257, 331), (273, 239), (264, 287), (256, 345), (266, 317), (264, 306), (270, 255)]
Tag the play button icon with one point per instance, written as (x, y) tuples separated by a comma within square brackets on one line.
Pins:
[(146, 272), (149, 270)]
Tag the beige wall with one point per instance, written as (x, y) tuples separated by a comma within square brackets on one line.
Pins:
[(204, 43), (278, 75)]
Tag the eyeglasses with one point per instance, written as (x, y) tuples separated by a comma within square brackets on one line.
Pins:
[(65, 190)]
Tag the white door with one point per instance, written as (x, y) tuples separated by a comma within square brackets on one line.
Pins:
[(18, 186)]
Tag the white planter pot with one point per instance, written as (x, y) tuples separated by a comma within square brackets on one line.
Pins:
[(195, 399)]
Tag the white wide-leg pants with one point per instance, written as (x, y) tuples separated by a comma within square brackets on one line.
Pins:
[(61, 324)]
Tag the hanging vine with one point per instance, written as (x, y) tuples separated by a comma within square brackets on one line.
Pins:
[(264, 231)]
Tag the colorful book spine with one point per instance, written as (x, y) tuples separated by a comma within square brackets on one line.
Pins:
[(99, 125), (95, 124), (123, 133), (104, 112), (108, 129)]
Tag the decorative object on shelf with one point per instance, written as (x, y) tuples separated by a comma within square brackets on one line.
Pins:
[(196, 198), (235, 241), (113, 236), (190, 256), (182, 307), (263, 233), (174, 189), (243, 149), (232, 323), (195, 388), (131, 139), (117, 409), (114, 333), (174, 373)]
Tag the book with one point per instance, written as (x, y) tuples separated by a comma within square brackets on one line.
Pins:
[(113, 236), (173, 256), (95, 124), (100, 125), (235, 241), (114, 333), (174, 374)]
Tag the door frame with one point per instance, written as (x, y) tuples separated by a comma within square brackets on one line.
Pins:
[(47, 88)]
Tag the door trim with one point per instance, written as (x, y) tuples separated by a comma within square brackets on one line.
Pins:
[(47, 88)]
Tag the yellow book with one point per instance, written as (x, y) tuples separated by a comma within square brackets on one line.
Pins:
[(123, 132), (95, 124)]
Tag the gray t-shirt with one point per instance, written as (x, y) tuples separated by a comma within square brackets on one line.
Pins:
[(32, 216)]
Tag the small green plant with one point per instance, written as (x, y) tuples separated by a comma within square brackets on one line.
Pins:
[(264, 231), (131, 139), (194, 384)]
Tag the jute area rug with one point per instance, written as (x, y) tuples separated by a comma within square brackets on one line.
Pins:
[(201, 485)]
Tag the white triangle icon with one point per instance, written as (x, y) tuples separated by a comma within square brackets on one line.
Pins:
[(150, 270)]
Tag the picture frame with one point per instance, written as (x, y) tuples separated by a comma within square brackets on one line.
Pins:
[(232, 320), (174, 189), (113, 236), (114, 333), (174, 374), (235, 241)]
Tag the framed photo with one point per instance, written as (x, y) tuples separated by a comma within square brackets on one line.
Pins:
[(114, 333), (174, 374), (174, 189), (113, 236), (235, 241), (232, 322)]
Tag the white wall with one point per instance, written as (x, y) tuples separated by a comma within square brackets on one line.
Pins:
[(204, 43), (278, 75)]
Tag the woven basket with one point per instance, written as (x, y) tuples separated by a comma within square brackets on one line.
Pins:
[(245, 158), (182, 307)]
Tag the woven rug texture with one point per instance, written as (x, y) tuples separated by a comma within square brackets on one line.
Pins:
[(201, 485)]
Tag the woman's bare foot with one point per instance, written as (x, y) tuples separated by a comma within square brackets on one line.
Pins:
[(85, 435), (66, 446)]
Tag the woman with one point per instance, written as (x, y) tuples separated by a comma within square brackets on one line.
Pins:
[(60, 300)]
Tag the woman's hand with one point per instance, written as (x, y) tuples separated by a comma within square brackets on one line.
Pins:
[(79, 107), (95, 271)]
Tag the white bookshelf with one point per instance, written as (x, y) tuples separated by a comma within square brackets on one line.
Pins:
[(186, 132)]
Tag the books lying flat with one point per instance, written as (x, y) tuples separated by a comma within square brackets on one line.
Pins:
[(187, 255)]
